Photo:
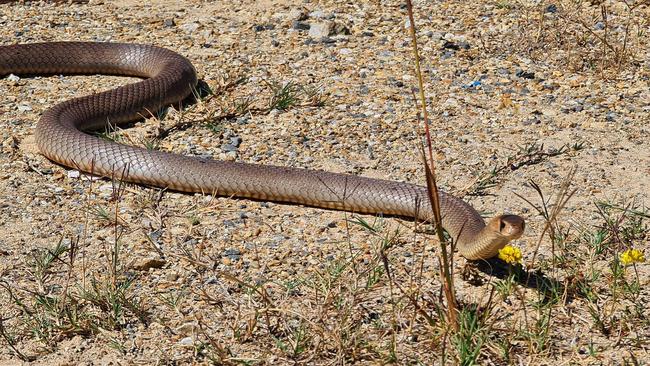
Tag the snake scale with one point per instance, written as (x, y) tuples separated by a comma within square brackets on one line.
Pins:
[(167, 79)]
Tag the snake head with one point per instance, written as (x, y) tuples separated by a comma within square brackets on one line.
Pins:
[(511, 227), (498, 232)]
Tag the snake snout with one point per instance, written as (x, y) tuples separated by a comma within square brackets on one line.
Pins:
[(511, 226)]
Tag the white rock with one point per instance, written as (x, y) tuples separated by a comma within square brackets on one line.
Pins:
[(318, 14), (297, 14), (106, 188), (450, 103), (24, 107), (320, 30), (190, 27), (187, 341)]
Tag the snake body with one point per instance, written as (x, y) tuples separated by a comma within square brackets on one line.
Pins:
[(169, 78)]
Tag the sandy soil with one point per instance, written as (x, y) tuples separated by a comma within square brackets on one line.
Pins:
[(496, 81)]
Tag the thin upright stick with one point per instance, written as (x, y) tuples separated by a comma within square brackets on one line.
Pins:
[(447, 279)]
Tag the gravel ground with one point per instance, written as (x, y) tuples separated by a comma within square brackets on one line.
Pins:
[(237, 281)]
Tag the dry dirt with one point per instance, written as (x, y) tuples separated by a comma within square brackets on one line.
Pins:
[(237, 281)]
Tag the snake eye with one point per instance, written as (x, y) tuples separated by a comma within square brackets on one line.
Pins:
[(502, 225)]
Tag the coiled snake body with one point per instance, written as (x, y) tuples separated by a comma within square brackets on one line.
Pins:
[(169, 78)]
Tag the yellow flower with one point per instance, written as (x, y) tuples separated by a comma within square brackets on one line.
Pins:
[(632, 256), (510, 254)]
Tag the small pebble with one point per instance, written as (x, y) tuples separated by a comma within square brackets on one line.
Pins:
[(320, 14), (145, 264), (447, 54), (456, 46), (263, 27), (525, 74), (299, 25), (297, 14), (172, 277), (235, 141), (187, 341), (320, 30), (611, 117), (190, 27), (228, 147), (24, 107), (233, 254)]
